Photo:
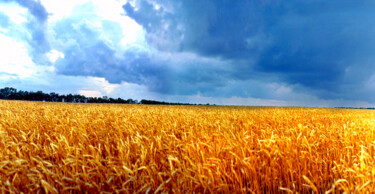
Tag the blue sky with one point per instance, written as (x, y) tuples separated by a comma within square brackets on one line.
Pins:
[(278, 53)]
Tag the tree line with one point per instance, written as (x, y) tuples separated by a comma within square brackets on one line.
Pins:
[(9, 93)]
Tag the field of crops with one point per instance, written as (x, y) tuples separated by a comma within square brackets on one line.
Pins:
[(60, 147)]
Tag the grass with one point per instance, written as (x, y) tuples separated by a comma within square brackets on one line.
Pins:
[(60, 147)]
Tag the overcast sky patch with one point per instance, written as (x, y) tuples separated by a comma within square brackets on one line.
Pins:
[(228, 52)]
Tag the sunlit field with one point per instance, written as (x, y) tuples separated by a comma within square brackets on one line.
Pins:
[(62, 147)]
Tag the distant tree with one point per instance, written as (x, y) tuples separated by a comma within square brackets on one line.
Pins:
[(14, 94), (5, 93), (54, 97)]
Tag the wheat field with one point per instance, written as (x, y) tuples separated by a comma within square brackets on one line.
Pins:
[(92, 148)]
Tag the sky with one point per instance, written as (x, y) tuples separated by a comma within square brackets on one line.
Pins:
[(258, 52)]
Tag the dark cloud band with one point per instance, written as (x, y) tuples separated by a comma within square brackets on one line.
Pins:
[(320, 45)]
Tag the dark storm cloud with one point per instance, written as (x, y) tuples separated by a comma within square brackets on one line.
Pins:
[(141, 68), (263, 49), (88, 52), (155, 72), (324, 47)]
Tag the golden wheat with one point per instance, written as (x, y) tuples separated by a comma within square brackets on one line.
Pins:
[(57, 147)]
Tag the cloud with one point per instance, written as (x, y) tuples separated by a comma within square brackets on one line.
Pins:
[(324, 48), (54, 55), (34, 7), (268, 52), (216, 28), (93, 47), (4, 20), (14, 58), (90, 93), (26, 20)]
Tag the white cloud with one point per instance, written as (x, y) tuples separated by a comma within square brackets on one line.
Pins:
[(53, 55), (103, 84), (14, 58), (90, 93), (110, 10), (3, 31), (16, 13), (60, 9)]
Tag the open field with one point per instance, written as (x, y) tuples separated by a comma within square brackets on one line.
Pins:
[(56, 147)]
